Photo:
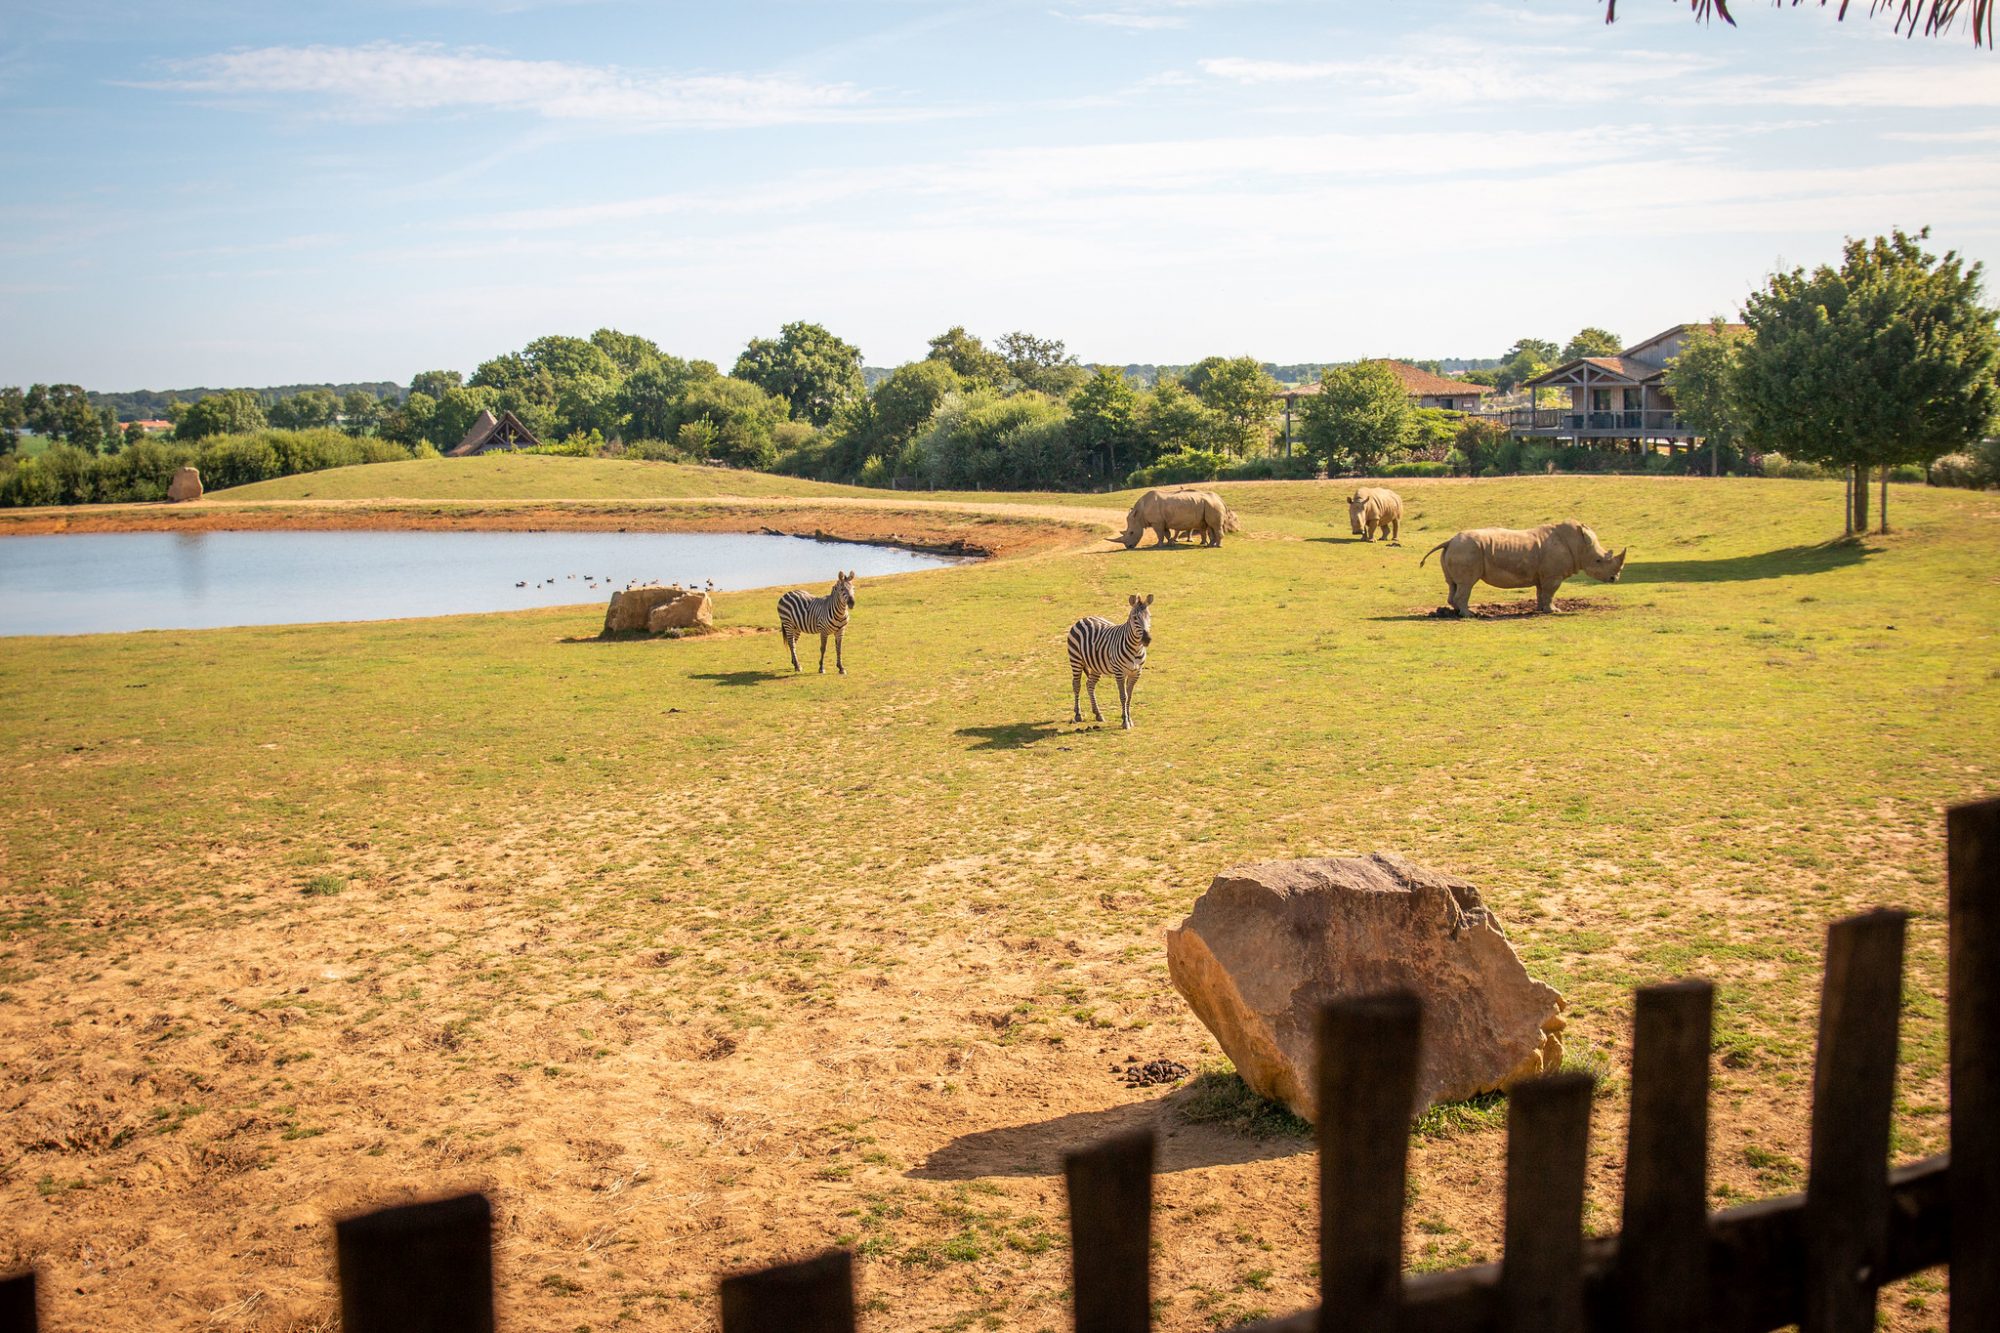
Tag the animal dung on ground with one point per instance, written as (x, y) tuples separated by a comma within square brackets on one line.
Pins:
[(1154, 1072), (1271, 944)]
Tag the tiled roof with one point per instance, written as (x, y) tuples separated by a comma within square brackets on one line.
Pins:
[(1418, 382)]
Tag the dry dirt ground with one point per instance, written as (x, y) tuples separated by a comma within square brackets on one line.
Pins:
[(692, 965)]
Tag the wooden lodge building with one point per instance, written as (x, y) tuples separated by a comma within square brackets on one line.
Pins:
[(1424, 389), (1620, 399), (489, 433)]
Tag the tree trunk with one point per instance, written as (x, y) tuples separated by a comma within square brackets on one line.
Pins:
[(1885, 500), (1860, 498), (1847, 499), (1715, 457)]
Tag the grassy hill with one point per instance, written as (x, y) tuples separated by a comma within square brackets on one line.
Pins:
[(693, 963), (505, 476)]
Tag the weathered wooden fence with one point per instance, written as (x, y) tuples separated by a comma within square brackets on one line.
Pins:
[(1816, 1260)]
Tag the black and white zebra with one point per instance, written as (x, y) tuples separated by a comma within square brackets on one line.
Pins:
[(1097, 647), (799, 614)]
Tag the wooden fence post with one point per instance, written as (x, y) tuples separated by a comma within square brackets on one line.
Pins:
[(1367, 1086), (422, 1268), (812, 1296), (1663, 1252), (17, 1303), (1973, 835), (1110, 1234), (1548, 1152), (1854, 1089)]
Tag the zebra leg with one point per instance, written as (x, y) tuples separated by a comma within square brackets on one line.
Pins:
[(792, 647), (1076, 696), (822, 654), (1131, 684), (1095, 712), (838, 660)]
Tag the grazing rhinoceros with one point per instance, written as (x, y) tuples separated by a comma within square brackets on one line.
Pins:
[(1170, 512), (1539, 558), (1372, 509)]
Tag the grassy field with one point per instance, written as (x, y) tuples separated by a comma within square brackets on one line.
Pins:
[(694, 964), (507, 476)]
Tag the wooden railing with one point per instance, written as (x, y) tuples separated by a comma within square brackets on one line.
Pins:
[(1572, 421), (1817, 1259)]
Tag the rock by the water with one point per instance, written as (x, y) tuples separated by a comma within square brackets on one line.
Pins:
[(691, 610), (1270, 944), (632, 608), (185, 485)]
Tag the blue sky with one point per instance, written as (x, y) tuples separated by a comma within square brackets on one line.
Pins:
[(226, 193)]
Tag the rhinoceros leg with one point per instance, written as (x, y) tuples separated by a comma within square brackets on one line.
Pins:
[(1461, 595), (1545, 597)]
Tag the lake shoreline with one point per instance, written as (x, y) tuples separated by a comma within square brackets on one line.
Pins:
[(931, 529)]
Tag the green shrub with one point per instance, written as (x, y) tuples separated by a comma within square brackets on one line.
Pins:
[(1906, 472), (1273, 467), (1777, 465), (1179, 466), (1422, 467), (66, 475)]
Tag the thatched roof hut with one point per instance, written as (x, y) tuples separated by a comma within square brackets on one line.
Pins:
[(489, 433)]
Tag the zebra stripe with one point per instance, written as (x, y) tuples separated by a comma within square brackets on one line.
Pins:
[(800, 614), (1098, 648)]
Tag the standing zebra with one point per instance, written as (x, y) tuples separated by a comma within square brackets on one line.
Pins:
[(799, 614), (1099, 648)]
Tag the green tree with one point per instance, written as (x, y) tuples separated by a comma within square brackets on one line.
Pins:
[(233, 412), (1174, 420), (628, 351), (1104, 420), (455, 412), (409, 422), (1242, 396), (565, 360), (360, 412), (1527, 358), (647, 397), (433, 383), (739, 419), (304, 410), (974, 362), (1702, 379), (1890, 358), (13, 416), (64, 413), (809, 368), (1360, 418), (1040, 365), (1591, 342)]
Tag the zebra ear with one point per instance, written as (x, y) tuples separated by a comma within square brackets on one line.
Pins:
[(1149, 599), (1132, 599)]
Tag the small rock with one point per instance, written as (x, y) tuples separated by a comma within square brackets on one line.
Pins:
[(185, 485)]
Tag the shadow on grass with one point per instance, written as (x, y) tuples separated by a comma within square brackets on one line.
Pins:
[(1763, 565), (1212, 1120), (1520, 609), (741, 677), (1011, 735), (1355, 541)]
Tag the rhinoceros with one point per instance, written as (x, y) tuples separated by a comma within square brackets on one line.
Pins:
[(1372, 509), (1539, 558), (1171, 512)]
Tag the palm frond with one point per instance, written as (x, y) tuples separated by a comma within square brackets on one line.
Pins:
[(1930, 17)]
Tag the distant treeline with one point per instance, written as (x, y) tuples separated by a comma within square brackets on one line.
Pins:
[(153, 404)]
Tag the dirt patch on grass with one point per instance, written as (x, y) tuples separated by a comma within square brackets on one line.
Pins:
[(1520, 609)]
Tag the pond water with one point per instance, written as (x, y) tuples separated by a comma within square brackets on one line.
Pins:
[(94, 583)]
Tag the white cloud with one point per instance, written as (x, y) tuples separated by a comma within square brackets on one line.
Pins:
[(1135, 22), (1458, 73), (388, 78)]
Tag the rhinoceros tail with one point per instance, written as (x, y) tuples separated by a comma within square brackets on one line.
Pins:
[(1433, 551)]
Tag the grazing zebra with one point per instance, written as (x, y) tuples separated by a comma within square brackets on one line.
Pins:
[(799, 614), (1099, 648)]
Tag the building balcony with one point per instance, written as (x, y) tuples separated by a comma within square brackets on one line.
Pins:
[(1649, 423)]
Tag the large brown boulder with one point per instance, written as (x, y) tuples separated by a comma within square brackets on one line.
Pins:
[(690, 610), (632, 608), (1270, 944), (185, 485)]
